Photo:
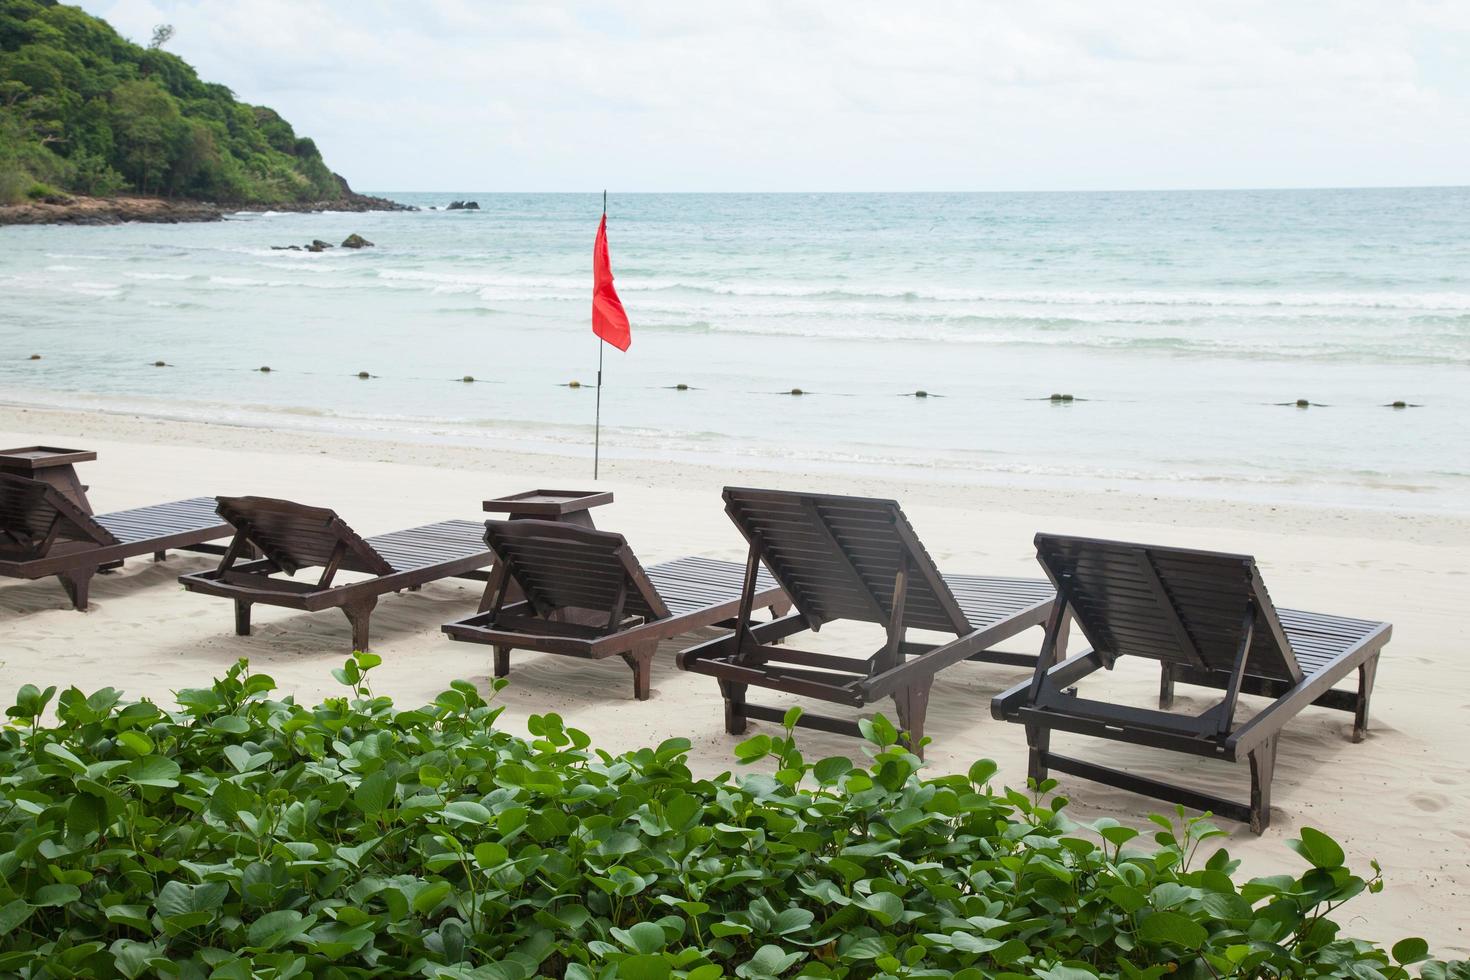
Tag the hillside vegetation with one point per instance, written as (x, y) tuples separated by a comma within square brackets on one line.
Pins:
[(86, 111)]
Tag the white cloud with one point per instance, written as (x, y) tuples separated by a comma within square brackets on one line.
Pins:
[(852, 95)]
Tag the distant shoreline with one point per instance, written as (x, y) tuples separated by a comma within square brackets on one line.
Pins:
[(82, 210)]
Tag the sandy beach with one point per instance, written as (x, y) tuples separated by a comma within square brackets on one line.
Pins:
[(1402, 797)]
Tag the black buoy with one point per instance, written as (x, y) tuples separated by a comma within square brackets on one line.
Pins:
[(468, 379), (159, 364), (34, 357), (797, 391), (921, 393), (1302, 403), (1056, 397), (265, 370), (681, 387), (1400, 405), (364, 375), (1066, 398), (574, 384)]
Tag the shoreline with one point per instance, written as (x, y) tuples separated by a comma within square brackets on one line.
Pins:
[(83, 210), (148, 638), (1333, 519)]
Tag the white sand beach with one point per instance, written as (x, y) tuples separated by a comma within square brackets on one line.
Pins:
[(1402, 796)]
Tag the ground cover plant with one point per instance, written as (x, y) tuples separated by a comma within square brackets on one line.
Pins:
[(242, 834)]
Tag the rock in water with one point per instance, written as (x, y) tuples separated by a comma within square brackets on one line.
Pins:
[(317, 244), (355, 240), (463, 206), (316, 247)]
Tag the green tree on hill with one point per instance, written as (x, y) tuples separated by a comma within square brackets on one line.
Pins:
[(86, 111)]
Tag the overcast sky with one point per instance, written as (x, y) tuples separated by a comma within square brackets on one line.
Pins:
[(681, 95)]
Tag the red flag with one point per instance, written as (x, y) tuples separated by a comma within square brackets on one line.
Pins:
[(608, 319)]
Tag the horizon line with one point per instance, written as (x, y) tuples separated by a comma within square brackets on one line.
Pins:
[(1096, 190)]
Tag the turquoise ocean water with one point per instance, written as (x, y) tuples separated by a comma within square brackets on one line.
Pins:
[(1178, 321)]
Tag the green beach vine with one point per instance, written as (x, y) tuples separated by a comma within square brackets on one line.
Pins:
[(240, 834)]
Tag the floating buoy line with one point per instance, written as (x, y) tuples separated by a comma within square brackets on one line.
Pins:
[(1055, 398)]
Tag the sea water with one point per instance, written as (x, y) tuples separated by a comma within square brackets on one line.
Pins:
[(1185, 326)]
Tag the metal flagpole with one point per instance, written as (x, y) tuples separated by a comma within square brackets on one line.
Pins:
[(597, 427), (597, 424)]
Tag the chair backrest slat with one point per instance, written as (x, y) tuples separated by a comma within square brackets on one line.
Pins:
[(1175, 605), (837, 557), (562, 566), (295, 536), (31, 510)]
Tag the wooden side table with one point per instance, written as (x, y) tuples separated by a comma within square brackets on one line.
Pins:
[(563, 506), (54, 466)]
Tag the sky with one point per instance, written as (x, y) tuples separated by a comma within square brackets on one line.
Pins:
[(849, 95)]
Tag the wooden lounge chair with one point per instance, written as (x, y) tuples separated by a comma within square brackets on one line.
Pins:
[(292, 537), (1207, 619), (858, 559), (586, 595), (42, 533)]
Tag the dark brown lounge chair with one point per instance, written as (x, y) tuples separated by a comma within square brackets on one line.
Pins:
[(292, 537), (1207, 619), (586, 595), (859, 559), (42, 533)]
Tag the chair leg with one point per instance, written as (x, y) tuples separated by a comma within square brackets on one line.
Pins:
[(502, 661), (358, 614), (242, 617), (912, 703), (1166, 686), (641, 660), (77, 583), (1038, 741), (160, 556), (1367, 673), (1263, 768), (735, 720)]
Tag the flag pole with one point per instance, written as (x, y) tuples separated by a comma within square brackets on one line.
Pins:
[(597, 423)]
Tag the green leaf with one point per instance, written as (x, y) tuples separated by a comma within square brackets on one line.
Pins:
[(831, 769), (466, 811), (1319, 849), (374, 793), (1174, 929), (1412, 950), (768, 961), (135, 742), (13, 914), (61, 752), (153, 770), (429, 897), (644, 966), (642, 937), (489, 854), (55, 895), (277, 928), (753, 748), (886, 907)]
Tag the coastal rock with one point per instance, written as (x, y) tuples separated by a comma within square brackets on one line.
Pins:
[(81, 210), (106, 211), (317, 247), (317, 244), (355, 240), (463, 206)]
